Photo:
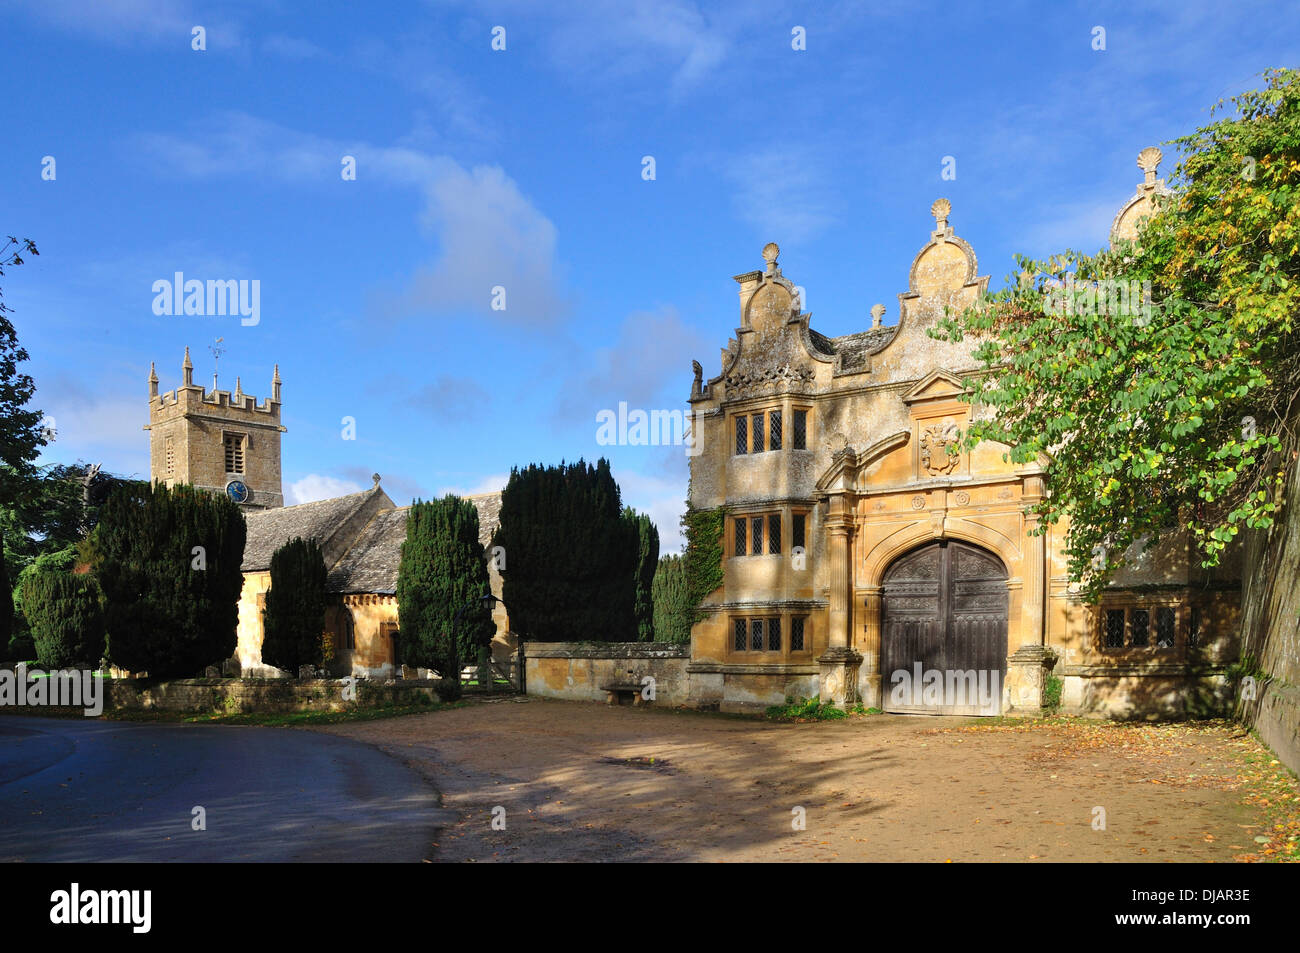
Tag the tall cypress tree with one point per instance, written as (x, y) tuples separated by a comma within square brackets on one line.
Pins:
[(294, 616), (169, 568), (571, 554), (644, 574), (673, 611), (440, 582)]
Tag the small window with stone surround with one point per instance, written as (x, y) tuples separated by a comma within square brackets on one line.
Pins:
[(756, 634), (800, 436), (797, 626), (1142, 626)]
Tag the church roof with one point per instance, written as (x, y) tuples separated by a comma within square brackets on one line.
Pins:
[(371, 562), (325, 521)]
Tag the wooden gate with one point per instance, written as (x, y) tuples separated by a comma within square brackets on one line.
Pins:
[(944, 610)]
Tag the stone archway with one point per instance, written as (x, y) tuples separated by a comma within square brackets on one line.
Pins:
[(943, 633)]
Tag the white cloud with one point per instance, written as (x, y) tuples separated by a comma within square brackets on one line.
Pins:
[(494, 483), (95, 430), (1081, 225), (315, 487), (781, 193), (663, 498), (642, 36), (649, 367), (158, 21), (491, 236), (487, 232)]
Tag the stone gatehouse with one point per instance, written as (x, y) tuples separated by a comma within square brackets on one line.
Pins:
[(861, 541)]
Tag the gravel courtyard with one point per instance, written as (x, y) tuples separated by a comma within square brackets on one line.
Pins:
[(587, 782)]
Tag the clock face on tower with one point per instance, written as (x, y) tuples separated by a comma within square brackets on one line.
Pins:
[(237, 491)]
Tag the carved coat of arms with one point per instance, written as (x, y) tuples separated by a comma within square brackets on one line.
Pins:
[(939, 451)]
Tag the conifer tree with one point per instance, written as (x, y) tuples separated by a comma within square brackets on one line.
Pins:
[(643, 577), (66, 619), (673, 610), (169, 566), (294, 616), (571, 555), (440, 583)]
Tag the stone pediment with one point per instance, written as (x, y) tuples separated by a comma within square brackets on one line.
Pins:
[(939, 384)]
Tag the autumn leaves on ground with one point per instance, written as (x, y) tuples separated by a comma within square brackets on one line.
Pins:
[(573, 781)]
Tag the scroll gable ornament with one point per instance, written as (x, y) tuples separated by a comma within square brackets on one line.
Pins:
[(744, 383)]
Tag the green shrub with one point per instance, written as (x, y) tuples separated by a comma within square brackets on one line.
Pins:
[(448, 690), (1052, 692), (66, 619), (169, 566), (805, 709)]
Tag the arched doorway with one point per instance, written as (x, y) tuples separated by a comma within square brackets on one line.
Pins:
[(943, 642)]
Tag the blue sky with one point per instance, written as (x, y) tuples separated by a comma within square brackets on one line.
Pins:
[(523, 168)]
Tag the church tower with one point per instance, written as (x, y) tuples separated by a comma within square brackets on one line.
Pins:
[(218, 441)]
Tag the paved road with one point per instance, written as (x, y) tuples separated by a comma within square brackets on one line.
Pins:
[(83, 790)]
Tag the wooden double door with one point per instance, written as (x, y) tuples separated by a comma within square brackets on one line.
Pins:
[(944, 611)]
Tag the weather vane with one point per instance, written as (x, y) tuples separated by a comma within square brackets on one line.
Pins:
[(217, 350)]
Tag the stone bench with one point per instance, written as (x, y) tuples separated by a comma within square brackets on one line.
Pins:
[(615, 691)]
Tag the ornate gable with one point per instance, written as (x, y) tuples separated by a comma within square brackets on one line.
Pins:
[(1142, 205), (774, 351)]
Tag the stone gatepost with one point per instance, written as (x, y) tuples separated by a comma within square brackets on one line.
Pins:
[(1028, 669), (839, 676)]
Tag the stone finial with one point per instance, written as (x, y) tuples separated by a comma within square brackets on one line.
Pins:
[(275, 384), (877, 312), (153, 380), (940, 210), (697, 385), (1148, 161), (187, 369), (770, 252), (375, 477), (238, 390)]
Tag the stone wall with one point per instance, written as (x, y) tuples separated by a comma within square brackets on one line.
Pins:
[(577, 670), (259, 694), (1271, 625)]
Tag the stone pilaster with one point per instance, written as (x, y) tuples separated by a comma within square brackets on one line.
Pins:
[(869, 687), (839, 663)]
